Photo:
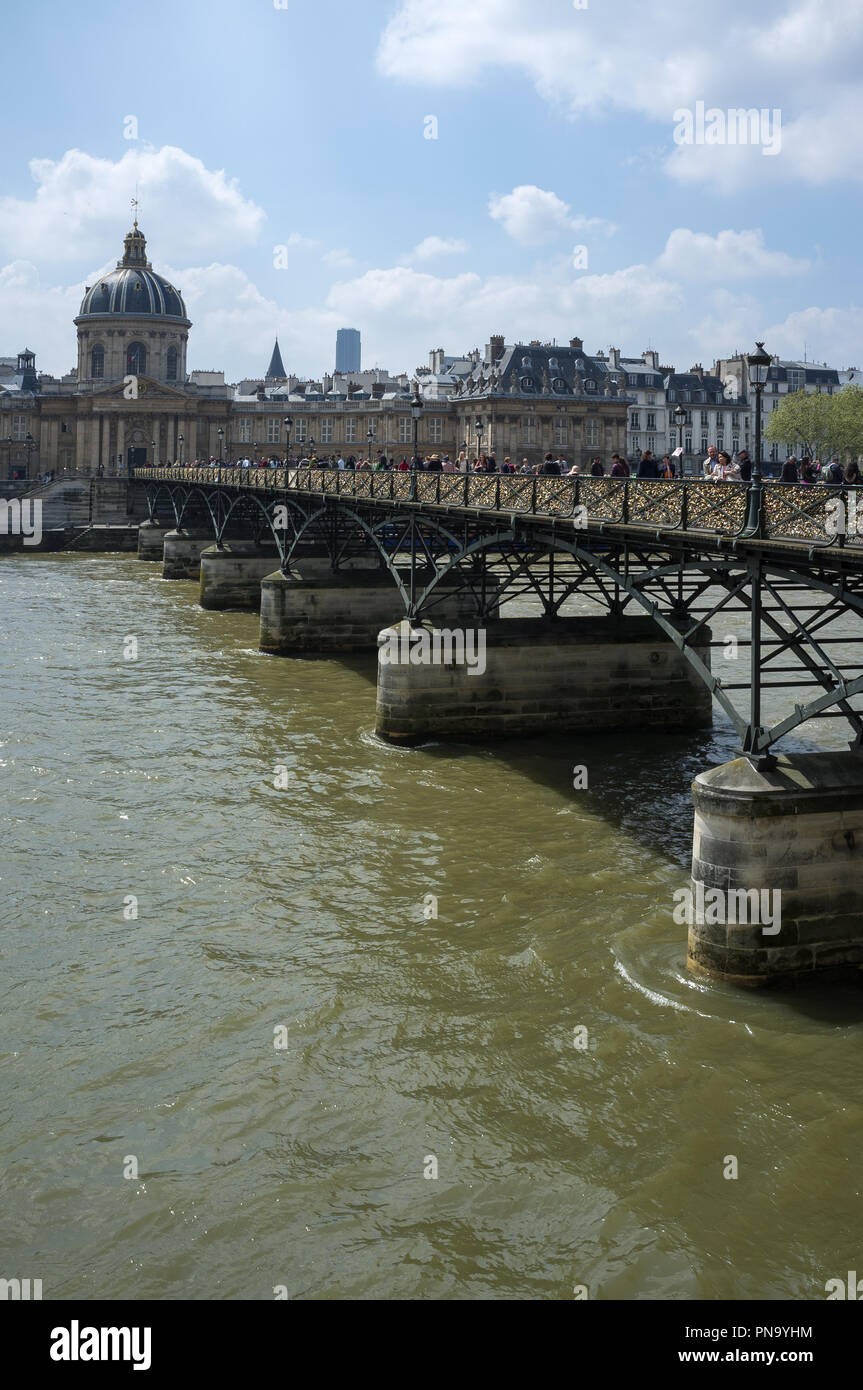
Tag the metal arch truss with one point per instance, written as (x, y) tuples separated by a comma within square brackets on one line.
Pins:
[(804, 610)]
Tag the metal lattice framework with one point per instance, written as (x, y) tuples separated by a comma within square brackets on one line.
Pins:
[(685, 553)]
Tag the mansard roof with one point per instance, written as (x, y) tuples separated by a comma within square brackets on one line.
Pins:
[(544, 370)]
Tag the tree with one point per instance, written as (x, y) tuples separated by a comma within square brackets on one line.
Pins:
[(809, 422), (848, 407)]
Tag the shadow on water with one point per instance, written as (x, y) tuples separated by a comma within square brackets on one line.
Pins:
[(639, 783)]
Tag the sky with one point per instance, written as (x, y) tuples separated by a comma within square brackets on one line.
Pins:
[(435, 171)]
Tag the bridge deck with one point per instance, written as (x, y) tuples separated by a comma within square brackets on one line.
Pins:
[(801, 517)]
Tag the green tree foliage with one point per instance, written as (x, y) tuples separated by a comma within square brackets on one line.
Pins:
[(819, 425)]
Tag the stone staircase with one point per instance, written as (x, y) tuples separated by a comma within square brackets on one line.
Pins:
[(75, 503)]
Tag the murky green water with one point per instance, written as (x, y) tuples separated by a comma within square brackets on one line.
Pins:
[(408, 1036)]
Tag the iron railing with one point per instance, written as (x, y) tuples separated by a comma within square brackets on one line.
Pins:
[(810, 513)]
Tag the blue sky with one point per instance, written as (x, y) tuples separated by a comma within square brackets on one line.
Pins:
[(305, 128)]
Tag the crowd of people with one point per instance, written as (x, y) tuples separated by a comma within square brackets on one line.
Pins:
[(719, 466)]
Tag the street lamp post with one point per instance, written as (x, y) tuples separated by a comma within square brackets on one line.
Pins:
[(370, 436), (479, 427), (759, 364), (31, 444), (180, 441), (289, 425), (416, 412), (680, 421), (153, 447), (221, 435)]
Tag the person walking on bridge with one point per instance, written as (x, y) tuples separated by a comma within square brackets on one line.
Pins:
[(647, 466)]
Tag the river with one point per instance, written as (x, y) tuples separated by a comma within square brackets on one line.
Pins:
[(473, 967)]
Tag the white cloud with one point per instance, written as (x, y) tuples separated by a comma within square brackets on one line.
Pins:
[(80, 202), (532, 215), (728, 255), (339, 259), (434, 246), (832, 335), (39, 315), (803, 57)]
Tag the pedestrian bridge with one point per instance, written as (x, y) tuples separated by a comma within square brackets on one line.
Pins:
[(342, 561)]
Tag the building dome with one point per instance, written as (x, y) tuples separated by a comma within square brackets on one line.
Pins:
[(133, 288)]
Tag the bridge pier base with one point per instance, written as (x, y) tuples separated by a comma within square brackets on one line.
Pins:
[(182, 553), (777, 868), (320, 610), (151, 540), (231, 577), (535, 676)]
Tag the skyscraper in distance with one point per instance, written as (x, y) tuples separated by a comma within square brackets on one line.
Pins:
[(348, 350)]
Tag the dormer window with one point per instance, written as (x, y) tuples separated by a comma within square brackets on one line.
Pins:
[(554, 364), (526, 362), (558, 384), (527, 383), (590, 384)]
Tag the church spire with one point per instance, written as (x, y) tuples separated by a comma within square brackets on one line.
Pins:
[(276, 370)]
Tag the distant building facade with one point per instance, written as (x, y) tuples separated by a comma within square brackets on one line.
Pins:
[(348, 350)]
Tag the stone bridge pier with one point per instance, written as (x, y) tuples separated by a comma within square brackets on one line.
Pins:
[(181, 556), (317, 609), (777, 868), (231, 574), (522, 676), (151, 540)]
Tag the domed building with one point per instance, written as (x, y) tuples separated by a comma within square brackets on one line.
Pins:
[(131, 401), (132, 322)]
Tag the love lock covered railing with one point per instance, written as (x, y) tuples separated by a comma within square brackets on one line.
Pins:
[(817, 514)]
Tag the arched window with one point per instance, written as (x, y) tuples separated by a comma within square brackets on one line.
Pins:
[(97, 361), (171, 374), (136, 359)]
